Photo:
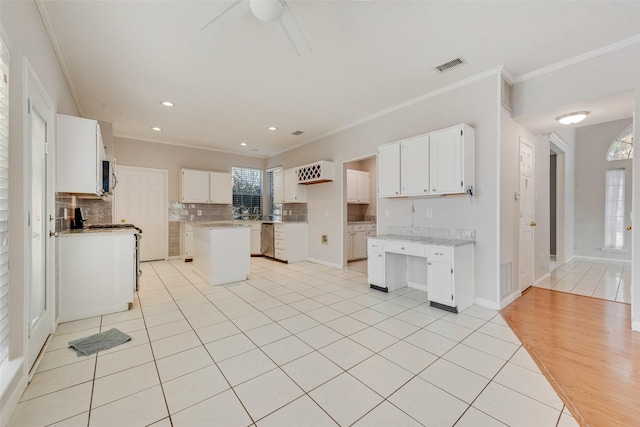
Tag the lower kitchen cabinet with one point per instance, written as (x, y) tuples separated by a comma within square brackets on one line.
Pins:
[(449, 272), (357, 240), (97, 273), (186, 241), (290, 241)]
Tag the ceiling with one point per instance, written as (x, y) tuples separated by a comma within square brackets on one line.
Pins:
[(229, 83)]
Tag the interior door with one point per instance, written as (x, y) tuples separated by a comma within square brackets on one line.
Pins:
[(527, 222), (39, 186), (141, 199)]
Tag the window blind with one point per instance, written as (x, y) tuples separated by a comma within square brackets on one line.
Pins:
[(4, 201), (273, 209), (614, 209), (247, 193)]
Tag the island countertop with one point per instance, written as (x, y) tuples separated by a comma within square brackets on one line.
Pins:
[(439, 241)]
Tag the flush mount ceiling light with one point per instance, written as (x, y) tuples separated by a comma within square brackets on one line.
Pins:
[(573, 118), (273, 128), (167, 103), (156, 128), (244, 144)]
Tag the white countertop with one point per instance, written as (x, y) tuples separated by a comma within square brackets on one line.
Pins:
[(424, 240), (220, 225), (94, 231)]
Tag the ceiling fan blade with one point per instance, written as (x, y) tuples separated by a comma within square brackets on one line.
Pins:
[(228, 14), (294, 33)]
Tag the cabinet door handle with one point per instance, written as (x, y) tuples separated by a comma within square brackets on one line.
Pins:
[(402, 248), (428, 263)]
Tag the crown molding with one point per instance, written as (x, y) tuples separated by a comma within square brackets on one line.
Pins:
[(57, 48), (559, 142), (631, 41)]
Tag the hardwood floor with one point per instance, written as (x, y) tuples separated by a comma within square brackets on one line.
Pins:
[(586, 348)]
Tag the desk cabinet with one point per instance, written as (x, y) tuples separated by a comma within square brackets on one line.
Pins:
[(449, 272)]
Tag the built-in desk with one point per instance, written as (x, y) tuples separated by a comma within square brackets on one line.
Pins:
[(441, 267)]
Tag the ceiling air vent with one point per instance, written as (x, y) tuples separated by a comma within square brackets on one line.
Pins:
[(449, 65), (296, 133)]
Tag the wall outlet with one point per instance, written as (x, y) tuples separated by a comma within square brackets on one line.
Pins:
[(324, 239), (429, 213), (199, 212)]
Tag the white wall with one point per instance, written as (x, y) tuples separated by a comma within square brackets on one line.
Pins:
[(474, 104), (567, 140), (27, 37), (130, 152), (592, 143), (512, 131)]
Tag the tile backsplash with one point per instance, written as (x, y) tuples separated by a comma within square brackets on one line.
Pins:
[(189, 212), (438, 233), (94, 211)]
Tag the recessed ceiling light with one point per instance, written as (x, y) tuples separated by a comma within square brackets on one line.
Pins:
[(156, 128), (167, 103), (273, 128), (243, 144), (573, 118)]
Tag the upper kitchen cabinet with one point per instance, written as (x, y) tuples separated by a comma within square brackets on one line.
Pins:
[(437, 163), (358, 187), (80, 156), (205, 187), (414, 159), (453, 150), (286, 188), (389, 170)]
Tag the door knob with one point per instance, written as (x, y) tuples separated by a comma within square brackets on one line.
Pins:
[(123, 221), (533, 224), (629, 228)]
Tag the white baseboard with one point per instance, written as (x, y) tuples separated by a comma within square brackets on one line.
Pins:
[(16, 371), (483, 302), (509, 299), (544, 277), (323, 262), (593, 258)]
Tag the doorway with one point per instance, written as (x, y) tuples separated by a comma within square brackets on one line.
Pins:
[(527, 222), (39, 258), (141, 199), (360, 198)]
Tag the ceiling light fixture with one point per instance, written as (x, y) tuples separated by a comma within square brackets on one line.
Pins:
[(156, 128), (167, 103), (273, 128), (573, 118), (244, 144)]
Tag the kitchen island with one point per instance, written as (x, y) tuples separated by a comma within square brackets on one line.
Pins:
[(222, 252)]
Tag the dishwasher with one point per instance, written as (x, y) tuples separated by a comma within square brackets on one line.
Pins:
[(266, 240)]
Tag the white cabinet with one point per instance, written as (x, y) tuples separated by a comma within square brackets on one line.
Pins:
[(375, 263), (290, 241), (389, 170), (453, 148), (449, 272), (97, 273), (414, 159), (450, 277), (256, 234), (440, 162), (286, 188), (356, 241), (80, 156), (186, 241), (199, 186), (358, 187)]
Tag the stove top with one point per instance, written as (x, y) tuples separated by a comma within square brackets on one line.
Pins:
[(115, 226)]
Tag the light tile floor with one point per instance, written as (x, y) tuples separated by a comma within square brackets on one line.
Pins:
[(599, 279), (295, 345)]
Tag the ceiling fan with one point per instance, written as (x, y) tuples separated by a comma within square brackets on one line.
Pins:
[(267, 11)]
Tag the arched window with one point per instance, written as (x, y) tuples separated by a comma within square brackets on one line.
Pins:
[(622, 147)]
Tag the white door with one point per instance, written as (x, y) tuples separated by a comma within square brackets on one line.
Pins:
[(39, 186), (527, 222), (141, 199)]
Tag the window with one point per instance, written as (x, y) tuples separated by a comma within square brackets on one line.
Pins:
[(273, 209), (247, 193), (614, 209), (622, 147), (4, 202)]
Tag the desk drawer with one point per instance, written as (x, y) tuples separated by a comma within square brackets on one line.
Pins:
[(406, 248), (374, 245), (439, 253)]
